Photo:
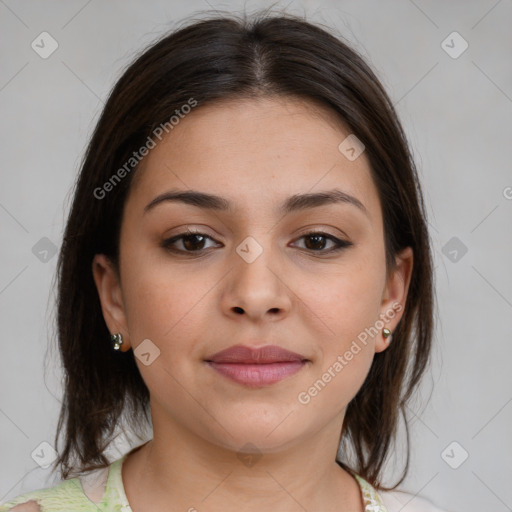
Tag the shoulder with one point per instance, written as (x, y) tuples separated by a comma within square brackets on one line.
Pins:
[(393, 501), (399, 501), (28, 506), (67, 496)]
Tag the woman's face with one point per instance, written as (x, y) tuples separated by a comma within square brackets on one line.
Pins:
[(256, 275)]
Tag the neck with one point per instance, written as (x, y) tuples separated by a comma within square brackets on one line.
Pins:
[(195, 475)]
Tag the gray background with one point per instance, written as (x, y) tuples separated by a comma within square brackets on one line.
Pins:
[(457, 113)]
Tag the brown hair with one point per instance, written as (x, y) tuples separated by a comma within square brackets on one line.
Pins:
[(227, 57)]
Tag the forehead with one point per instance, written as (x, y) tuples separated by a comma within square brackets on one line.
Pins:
[(255, 151)]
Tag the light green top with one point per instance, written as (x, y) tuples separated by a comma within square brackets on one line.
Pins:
[(69, 496)]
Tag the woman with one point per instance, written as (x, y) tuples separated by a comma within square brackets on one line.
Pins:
[(246, 266)]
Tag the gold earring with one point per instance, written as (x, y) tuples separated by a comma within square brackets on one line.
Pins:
[(386, 333), (116, 340)]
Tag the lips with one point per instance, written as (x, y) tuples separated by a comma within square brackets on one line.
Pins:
[(256, 367), (258, 355)]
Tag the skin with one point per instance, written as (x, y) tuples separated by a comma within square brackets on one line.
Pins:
[(255, 153)]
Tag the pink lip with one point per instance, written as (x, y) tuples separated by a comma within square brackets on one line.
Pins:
[(256, 367)]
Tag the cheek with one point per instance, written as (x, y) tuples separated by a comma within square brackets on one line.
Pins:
[(344, 345), (345, 302), (340, 307), (168, 311), (159, 302)]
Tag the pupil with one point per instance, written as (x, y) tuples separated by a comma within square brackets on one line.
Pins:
[(317, 240), (188, 238)]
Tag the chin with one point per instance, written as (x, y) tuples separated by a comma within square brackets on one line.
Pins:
[(257, 438)]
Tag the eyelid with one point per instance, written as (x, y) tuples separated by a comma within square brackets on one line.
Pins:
[(166, 243), (339, 243)]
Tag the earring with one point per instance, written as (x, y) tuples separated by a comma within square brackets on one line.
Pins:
[(116, 340), (386, 333)]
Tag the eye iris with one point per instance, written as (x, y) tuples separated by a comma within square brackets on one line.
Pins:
[(317, 240), (188, 238)]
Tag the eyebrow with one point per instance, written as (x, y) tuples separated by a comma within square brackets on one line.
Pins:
[(294, 203)]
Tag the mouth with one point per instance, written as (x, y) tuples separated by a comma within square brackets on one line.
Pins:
[(256, 367)]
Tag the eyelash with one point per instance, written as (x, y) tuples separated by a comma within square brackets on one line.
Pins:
[(340, 244)]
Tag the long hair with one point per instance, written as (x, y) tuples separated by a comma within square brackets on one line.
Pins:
[(219, 58)]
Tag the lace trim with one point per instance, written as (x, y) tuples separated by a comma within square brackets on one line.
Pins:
[(372, 500)]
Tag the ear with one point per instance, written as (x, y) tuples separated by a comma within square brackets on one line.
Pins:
[(111, 297), (395, 296)]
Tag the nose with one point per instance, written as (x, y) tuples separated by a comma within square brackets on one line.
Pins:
[(258, 289)]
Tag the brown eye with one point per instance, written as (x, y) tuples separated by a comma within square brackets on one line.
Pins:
[(317, 242), (187, 242), (194, 242)]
